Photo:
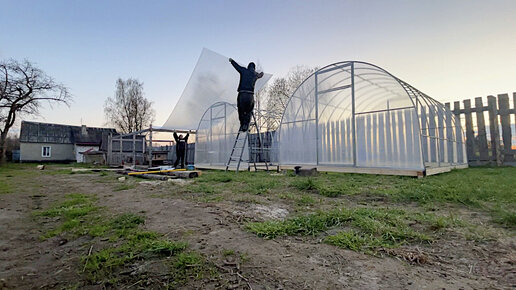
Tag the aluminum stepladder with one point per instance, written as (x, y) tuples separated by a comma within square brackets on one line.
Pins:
[(241, 141)]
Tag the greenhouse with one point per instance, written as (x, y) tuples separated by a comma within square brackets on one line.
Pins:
[(216, 135), (356, 117)]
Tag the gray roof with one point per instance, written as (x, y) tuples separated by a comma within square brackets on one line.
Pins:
[(35, 132)]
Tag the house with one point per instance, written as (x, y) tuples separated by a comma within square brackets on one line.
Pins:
[(44, 142)]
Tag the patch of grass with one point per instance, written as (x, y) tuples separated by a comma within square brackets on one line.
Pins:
[(226, 252), (123, 241), (370, 227), (355, 241), (202, 188), (190, 265), (70, 211), (127, 221)]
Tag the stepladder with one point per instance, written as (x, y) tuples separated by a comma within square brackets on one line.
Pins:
[(255, 158)]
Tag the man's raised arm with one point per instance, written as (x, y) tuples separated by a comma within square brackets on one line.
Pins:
[(236, 65), (259, 75)]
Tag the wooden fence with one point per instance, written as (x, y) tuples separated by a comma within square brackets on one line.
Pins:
[(484, 125)]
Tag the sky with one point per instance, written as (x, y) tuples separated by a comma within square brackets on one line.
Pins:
[(450, 50)]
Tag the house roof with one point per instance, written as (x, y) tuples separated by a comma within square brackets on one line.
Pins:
[(35, 132)]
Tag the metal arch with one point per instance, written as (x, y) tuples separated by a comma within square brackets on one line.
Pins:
[(408, 90), (209, 110)]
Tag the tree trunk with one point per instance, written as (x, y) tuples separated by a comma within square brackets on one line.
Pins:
[(3, 138)]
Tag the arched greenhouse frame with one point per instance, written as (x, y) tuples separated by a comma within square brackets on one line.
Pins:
[(216, 135), (354, 116)]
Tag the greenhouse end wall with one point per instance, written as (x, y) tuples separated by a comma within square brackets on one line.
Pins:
[(354, 114)]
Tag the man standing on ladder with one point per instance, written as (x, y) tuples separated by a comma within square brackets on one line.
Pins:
[(245, 99)]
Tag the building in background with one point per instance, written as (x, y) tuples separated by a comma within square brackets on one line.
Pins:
[(43, 142)]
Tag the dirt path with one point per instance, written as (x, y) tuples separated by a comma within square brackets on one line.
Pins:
[(212, 228)]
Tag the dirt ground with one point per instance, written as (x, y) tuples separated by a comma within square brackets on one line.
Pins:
[(28, 262)]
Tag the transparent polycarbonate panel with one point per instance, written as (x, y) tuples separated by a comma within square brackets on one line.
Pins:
[(298, 143), (334, 77), (297, 133), (376, 90), (388, 139), (216, 135), (335, 130), (395, 125), (442, 140), (213, 80)]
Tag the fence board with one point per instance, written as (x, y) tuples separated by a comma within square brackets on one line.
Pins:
[(505, 120), (481, 127), (470, 134), (494, 129)]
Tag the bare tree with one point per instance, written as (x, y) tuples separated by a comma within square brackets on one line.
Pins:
[(23, 89), (129, 111), (279, 91)]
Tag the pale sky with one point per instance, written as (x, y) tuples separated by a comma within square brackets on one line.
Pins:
[(450, 50)]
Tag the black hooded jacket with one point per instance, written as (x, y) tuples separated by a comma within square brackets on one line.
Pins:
[(181, 143), (248, 77)]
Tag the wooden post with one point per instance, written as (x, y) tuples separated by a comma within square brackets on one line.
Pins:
[(505, 119), (143, 150), (459, 135), (150, 146), (470, 134), (110, 149), (121, 151), (494, 130), (134, 149), (482, 136)]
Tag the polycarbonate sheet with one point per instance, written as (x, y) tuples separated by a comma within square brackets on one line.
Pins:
[(216, 135), (357, 114), (213, 80), (389, 139), (376, 90)]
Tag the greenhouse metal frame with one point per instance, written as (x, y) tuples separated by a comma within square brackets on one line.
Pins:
[(216, 135), (356, 117)]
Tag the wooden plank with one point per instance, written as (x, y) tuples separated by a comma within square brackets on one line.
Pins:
[(494, 130), (482, 136), (470, 134), (155, 171), (505, 120), (456, 109)]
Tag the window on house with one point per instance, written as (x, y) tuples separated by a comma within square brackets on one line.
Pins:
[(45, 151)]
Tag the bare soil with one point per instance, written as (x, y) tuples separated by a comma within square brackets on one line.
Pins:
[(28, 262)]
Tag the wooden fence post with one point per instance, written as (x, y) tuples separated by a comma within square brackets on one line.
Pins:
[(494, 130), (482, 137), (503, 109), (470, 134)]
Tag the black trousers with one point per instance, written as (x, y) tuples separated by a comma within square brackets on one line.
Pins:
[(245, 104), (180, 154)]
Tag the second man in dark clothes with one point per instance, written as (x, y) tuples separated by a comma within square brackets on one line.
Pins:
[(181, 143), (245, 99)]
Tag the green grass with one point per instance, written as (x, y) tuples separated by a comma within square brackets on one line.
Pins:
[(121, 241), (71, 212), (489, 189), (361, 229)]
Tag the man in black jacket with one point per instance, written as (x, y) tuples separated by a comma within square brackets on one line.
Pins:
[(180, 148), (245, 99)]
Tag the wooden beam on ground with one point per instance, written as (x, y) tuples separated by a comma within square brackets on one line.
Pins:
[(155, 171)]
